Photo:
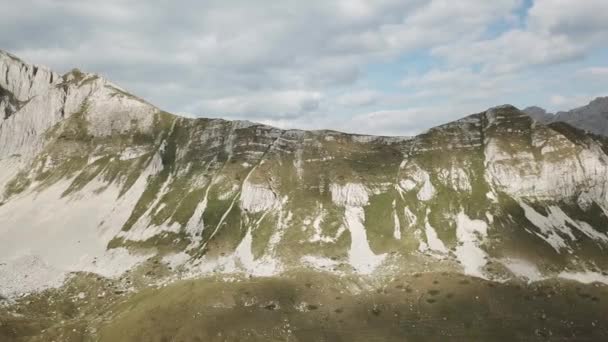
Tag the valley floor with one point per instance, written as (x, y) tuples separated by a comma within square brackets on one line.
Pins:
[(312, 307)]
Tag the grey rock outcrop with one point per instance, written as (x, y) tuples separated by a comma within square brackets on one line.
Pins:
[(592, 117)]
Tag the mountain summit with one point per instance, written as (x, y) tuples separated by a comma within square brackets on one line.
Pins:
[(106, 197)]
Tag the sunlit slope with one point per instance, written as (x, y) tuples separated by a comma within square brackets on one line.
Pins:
[(117, 182)]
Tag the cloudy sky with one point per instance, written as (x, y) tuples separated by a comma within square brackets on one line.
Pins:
[(392, 67)]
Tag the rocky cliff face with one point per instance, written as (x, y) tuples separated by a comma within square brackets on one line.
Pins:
[(95, 180), (592, 117), (102, 196)]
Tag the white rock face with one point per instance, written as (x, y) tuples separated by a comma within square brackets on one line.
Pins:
[(414, 177), (470, 234), (407, 184), (456, 178), (555, 227), (568, 170), (360, 255), (243, 255), (427, 191), (316, 225), (433, 242), (71, 233), (396, 223), (42, 107), (350, 194), (24, 81), (196, 225), (20, 134), (108, 108), (241, 261), (256, 198), (353, 196), (410, 218), (553, 230)]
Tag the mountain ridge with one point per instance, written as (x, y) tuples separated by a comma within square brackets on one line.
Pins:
[(79, 75), (98, 134), (537, 113), (108, 203), (592, 117)]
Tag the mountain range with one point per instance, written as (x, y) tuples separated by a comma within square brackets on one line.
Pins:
[(592, 117), (120, 221)]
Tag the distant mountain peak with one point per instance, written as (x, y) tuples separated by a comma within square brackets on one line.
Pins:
[(600, 100), (592, 117)]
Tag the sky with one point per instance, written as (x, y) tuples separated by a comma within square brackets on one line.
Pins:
[(389, 67)]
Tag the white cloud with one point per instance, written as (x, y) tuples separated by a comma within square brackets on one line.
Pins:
[(555, 31), (443, 21), (512, 51), (567, 102), (281, 104), (221, 52), (584, 19), (594, 72), (358, 98), (467, 13), (439, 85), (307, 63), (405, 121), (390, 122)]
